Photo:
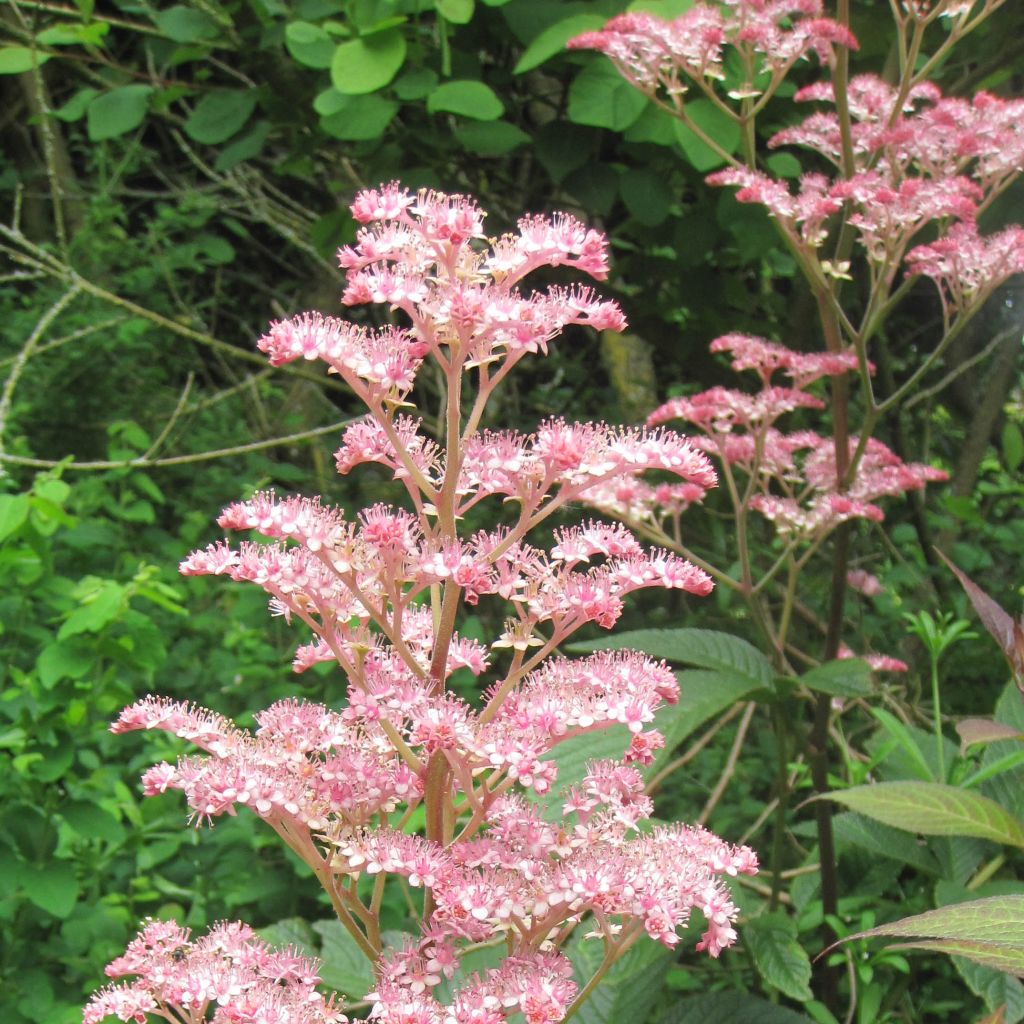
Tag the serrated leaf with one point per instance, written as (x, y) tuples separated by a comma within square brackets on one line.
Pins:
[(468, 98), (52, 887), (716, 125), (291, 931), (844, 677), (883, 840), (117, 112), (344, 966), (630, 989), (933, 809), (1009, 960), (704, 648), (780, 959), (601, 97), (731, 1008), (16, 60), (553, 39), (219, 115), (994, 987), (364, 65)]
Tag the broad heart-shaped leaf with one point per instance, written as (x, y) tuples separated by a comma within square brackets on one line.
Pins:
[(730, 1008), (309, 44), (116, 112), (716, 125), (844, 677), (357, 118), (367, 64), (553, 39), (933, 809), (601, 97), (779, 958), (343, 965), (468, 98), (630, 989), (219, 115), (52, 887), (704, 648)]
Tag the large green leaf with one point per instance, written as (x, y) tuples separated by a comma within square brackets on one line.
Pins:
[(553, 39), (13, 513), (101, 608), (52, 887), (844, 677), (883, 841), (458, 12), (309, 44), (996, 988), (490, 138), (357, 118), (630, 989), (601, 97), (117, 112), (367, 64), (731, 1008), (933, 809), (186, 24), (716, 125), (780, 959), (219, 115), (468, 98), (343, 964), (15, 60), (704, 648)]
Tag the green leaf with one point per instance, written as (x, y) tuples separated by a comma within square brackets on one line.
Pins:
[(15, 60), (73, 34), (468, 98), (367, 64), (219, 115), (360, 118), (904, 738), (13, 513), (601, 97), (186, 24), (52, 887), (553, 39), (572, 757), (883, 841), (997, 989), (646, 194), (309, 44), (730, 1008), (844, 677), (780, 959), (933, 809), (784, 165), (102, 607), (117, 112), (717, 125), (92, 822), (245, 147), (631, 988), (291, 931), (415, 84), (344, 966), (68, 659), (705, 648), (458, 12), (490, 138), (75, 108), (1012, 441)]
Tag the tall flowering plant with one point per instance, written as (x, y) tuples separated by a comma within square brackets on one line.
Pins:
[(380, 594)]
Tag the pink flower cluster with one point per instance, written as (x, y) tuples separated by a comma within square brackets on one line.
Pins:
[(795, 473), (380, 594), (229, 970), (770, 36)]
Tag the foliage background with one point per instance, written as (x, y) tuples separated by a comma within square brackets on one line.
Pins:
[(183, 171)]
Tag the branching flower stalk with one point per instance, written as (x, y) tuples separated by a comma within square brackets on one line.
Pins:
[(381, 595)]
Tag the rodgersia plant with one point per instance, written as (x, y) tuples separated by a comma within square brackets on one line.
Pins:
[(380, 593)]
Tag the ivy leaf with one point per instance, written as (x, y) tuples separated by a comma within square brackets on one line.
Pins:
[(367, 64), (933, 809)]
